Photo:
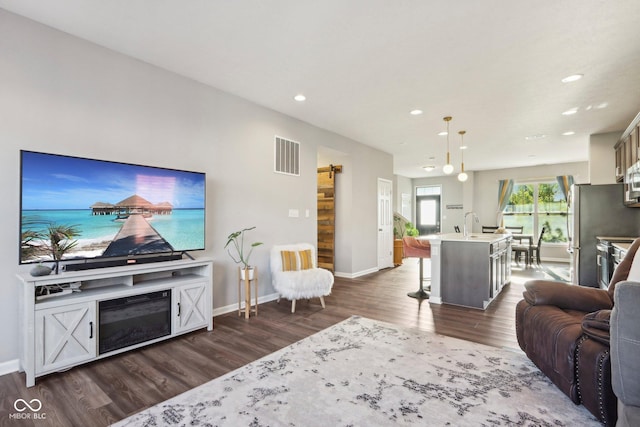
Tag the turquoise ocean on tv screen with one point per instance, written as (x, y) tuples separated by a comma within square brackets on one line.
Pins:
[(183, 228)]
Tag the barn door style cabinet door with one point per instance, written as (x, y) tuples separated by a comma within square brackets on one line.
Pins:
[(191, 307), (65, 336)]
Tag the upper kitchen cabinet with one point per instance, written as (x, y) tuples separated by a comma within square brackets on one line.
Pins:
[(627, 149)]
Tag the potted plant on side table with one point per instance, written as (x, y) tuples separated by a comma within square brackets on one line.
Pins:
[(402, 226), (236, 249)]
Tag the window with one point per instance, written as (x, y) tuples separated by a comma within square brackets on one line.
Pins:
[(537, 205), (432, 190)]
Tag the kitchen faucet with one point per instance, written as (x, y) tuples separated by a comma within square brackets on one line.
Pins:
[(464, 230)]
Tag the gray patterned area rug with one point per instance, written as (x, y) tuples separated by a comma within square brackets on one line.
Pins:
[(362, 372)]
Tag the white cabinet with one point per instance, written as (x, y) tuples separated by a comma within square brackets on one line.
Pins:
[(191, 307), (500, 267), (65, 335), (64, 330)]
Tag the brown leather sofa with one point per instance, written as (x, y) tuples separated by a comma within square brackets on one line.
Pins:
[(564, 330)]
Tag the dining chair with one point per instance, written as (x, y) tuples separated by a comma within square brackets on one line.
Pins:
[(520, 249), (516, 230), (456, 228), (489, 228), (535, 250)]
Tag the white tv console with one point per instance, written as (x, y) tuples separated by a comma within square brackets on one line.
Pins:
[(63, 331)]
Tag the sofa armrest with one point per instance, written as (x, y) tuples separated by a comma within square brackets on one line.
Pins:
[(596, 326), (565, 296), (625, 346)]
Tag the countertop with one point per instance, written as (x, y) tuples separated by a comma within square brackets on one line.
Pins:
[(617, 239), (622, 246), (472, 237)]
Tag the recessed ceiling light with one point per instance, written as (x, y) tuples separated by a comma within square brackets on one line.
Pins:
[(443, 133), (570, 112), (568, 133), (429, 168), (535, 137), (572, 78), (415, 112), (463, 147), (602, 105), (300, 97)]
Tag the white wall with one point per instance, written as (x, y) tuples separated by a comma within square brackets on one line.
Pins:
[(364, 228), (60, 94), (602, 157), (402, 185)]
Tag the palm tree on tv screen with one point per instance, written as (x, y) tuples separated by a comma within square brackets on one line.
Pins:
[(60, 240)]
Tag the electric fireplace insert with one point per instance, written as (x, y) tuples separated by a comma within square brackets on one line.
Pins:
[(132, 320)]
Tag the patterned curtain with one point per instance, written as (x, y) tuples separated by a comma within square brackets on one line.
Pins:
[(505, 188), (565, 182)]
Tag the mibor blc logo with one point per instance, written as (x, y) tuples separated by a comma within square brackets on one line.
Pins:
[(27, 410)]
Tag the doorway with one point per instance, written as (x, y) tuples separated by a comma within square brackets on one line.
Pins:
[(385, 224), (327, 216), (428, 213)]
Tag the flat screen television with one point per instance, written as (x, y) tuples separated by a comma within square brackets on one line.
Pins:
[(74, 208)]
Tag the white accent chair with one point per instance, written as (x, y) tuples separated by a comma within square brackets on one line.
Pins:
[(294, 282)]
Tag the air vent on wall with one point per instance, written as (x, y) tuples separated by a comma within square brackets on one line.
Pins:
[(287, 156)]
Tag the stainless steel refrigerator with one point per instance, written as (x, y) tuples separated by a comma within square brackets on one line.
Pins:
[(596, 210)]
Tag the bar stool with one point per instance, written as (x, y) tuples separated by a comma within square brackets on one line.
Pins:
[(417, 248)]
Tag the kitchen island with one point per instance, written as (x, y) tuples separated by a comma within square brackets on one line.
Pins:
[(469, 271)]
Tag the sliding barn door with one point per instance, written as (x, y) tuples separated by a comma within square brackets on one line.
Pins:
[(327, 216)]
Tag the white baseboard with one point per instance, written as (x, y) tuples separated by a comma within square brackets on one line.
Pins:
[(9, 366), (233, 307), (356, 274)]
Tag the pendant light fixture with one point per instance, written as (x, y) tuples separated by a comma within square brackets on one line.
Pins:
[(448, 168), (462, 176)]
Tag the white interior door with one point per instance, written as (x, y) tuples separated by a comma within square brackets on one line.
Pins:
[(385, 225)]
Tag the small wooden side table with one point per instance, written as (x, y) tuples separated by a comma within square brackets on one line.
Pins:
[(247, 292), (397, 252)]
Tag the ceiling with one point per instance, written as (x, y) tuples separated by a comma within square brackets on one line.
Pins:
[(495, 66)]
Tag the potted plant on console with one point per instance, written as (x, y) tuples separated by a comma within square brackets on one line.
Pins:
[(236, 249)]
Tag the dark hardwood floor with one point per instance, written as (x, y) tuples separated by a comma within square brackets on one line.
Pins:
[(102, 392)]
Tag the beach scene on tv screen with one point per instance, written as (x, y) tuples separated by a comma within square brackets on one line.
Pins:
[(75, 208)]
